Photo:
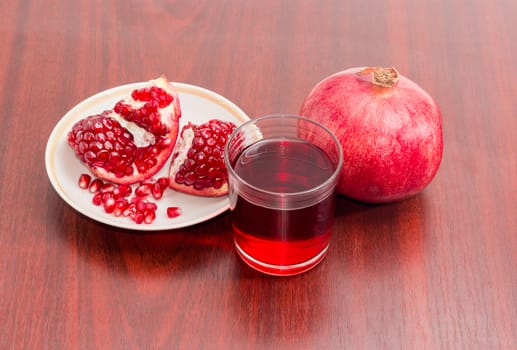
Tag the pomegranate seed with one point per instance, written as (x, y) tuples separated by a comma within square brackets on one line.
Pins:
[(164, 182), (179, 178), (84, 181), (217, 152), (157, 190), (189, 164), (173, 212), (200, 157), (143, 191), (116, 193), (211, 142), (125, 190), (129, 211), (198, 142), (192, 152), (88, 136), (218, 183), (95, 147), (149, 217), (97, 199), (105, 196), (150, 182), (165, 143), (90, 157), (202, 169), (141, 206), (138, 217), (205, 133), (202, 183), (150, 206), (213, 160), (95, 185), (103, 155), (135, 199), (82, 147), (109, 205), (107, 187)]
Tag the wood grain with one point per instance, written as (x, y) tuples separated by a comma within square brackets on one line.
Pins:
[(437, 271)]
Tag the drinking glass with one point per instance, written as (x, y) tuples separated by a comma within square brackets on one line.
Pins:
[(282, 174)]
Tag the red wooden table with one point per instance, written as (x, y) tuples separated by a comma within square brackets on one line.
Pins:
[(437, 271)]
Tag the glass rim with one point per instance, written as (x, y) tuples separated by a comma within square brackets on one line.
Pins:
[(317, 188)]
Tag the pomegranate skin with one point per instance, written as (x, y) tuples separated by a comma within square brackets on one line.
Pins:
[(391, 136)]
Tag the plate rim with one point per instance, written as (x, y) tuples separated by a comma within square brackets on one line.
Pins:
[(71, 116)]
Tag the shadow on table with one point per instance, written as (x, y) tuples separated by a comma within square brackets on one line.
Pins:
[(277, 312), (146, 253), (370, 243), (379, 238), (371, 237)]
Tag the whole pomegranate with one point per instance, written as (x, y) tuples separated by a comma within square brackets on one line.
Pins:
[(131, 142), (389, 127)]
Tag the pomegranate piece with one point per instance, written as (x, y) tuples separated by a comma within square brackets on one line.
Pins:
[(197, 165), (143, 190), (97, 199), (84, 181), (173, 212), (95, 185), (134, 140), (149, 217), (107, 187), (138, 217), (157, 191), (109, 204), (164, 182)]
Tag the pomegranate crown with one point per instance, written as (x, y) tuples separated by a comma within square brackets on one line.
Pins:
[(381, 76)]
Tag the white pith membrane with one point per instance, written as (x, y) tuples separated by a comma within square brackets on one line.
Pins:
[(179, 155), (141, 137), (165, 111)]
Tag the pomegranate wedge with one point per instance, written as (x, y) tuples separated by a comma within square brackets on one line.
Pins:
[(131, 142)]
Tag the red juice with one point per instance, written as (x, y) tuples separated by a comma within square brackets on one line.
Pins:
[(283, 235)]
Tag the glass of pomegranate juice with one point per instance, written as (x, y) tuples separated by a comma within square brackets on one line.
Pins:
[(282, 173)]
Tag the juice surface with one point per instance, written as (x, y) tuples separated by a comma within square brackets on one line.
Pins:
[(283, 165)]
